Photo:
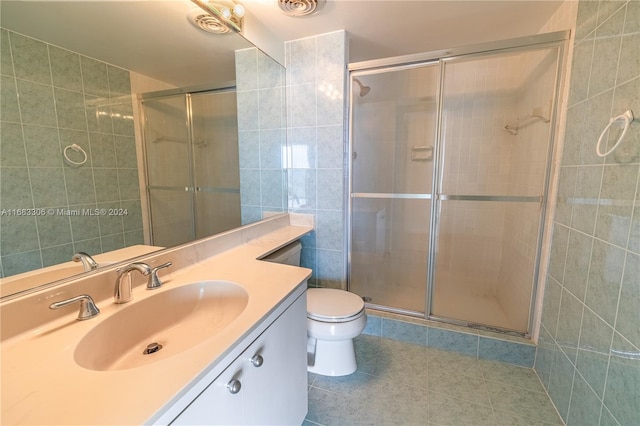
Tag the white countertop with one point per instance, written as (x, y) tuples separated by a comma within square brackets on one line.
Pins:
[(42, 384)]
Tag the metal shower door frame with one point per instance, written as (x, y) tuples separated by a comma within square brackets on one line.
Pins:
[(542, 41)]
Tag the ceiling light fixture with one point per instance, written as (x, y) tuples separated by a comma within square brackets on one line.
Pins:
[(215, 17), (300, 7), (237, 11)]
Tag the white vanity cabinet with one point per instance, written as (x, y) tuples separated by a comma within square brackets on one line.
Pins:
[(265, 385)]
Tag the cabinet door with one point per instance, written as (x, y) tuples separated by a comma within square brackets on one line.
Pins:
[(272, 374), (216, 405), (276, 383)]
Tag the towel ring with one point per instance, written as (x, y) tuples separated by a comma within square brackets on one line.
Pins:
[(627, 117), (76, 148)]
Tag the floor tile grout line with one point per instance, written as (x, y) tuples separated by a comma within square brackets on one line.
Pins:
[(461, 399), (517, 387), (493, 409)]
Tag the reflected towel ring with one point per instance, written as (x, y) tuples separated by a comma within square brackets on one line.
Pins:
[(76, 148), (627, 117)]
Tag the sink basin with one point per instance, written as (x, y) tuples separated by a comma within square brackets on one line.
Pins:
[(167, 323)]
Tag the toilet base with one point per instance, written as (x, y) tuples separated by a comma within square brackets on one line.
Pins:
[(332, 357)]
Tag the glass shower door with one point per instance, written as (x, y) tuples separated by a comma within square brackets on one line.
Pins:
[(494, 163), (393, 127)]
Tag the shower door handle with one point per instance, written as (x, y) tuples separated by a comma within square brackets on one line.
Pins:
[(422, 153)]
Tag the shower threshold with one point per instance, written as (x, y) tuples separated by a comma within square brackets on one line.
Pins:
[(412, 315)]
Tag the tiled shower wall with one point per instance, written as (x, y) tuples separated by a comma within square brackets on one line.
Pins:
[(52, 98), (588, 355), (261, 134), (316, 71)]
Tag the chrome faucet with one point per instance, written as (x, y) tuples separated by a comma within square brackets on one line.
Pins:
[(88, 308), (87, 261), (123, 290)]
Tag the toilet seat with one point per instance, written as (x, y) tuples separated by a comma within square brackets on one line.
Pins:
[(331, 305)]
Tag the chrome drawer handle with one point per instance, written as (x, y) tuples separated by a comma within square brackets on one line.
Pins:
[(257, 360), (234, 386)]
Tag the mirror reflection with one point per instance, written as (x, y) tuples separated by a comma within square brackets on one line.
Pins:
[(124, 130), (191, 142)]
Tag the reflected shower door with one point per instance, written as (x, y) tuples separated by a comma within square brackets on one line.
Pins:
[(494, 165), (393, 129), (166, 134), (216, 164), (193, 171)]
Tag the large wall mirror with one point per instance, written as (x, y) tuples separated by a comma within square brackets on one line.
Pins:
[(127, 128)]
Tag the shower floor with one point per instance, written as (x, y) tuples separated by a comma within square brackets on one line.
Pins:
[(402, 286), (455, 301), (397, 282)]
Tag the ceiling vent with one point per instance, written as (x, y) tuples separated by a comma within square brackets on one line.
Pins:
[(299, 7), (207, 23)]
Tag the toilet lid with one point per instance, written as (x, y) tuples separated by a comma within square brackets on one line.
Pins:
[(327, 304)]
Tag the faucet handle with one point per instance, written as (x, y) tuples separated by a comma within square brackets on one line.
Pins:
[(88, 308), (154, 281)]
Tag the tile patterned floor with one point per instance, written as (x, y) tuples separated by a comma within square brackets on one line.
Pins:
[(400, 383)]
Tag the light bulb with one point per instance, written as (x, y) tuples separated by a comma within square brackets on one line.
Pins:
[(238, 10), (226, 12)]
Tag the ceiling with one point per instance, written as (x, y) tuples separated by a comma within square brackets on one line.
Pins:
[(385, 28), (155, 38)]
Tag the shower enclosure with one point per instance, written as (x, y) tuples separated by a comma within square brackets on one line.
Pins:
[(192, 166), (449, 171)]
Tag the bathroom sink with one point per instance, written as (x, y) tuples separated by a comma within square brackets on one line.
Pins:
[(161, 325)]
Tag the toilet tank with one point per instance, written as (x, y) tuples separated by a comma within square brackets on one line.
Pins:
[(288, 255)]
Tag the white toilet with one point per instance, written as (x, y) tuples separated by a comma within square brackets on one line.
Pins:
[(334, 318)]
